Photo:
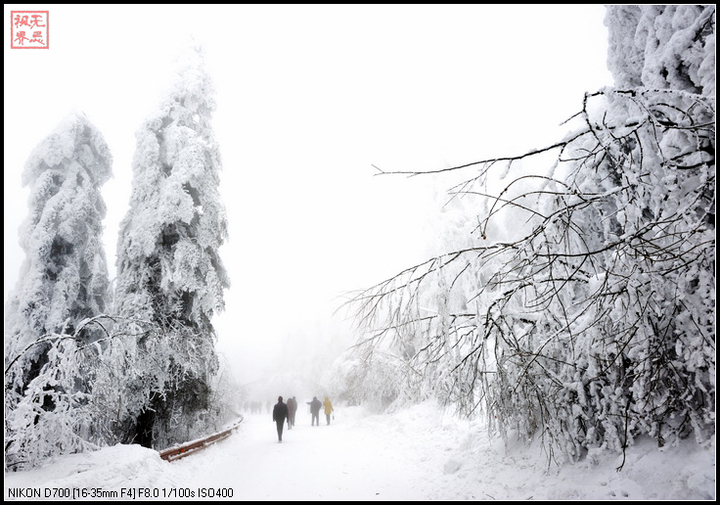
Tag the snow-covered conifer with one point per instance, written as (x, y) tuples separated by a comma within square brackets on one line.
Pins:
[(64, 278), (169, 270)]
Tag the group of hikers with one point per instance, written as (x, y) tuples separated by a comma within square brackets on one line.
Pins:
[(283, 412)]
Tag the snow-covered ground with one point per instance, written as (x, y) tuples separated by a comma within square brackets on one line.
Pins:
[(416, 454)]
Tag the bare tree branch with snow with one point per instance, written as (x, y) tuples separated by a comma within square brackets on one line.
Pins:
[(583, 311)]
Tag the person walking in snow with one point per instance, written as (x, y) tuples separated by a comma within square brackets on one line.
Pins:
[(315, 410), (292, 407), (294, 410), (280, 413), (328, 409)]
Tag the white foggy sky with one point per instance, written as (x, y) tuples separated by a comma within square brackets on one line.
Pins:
[(309, 98)]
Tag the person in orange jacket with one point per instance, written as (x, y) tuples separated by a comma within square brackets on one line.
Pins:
[(328, 409)]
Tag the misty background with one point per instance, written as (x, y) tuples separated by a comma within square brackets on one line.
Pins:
[(309, 98)]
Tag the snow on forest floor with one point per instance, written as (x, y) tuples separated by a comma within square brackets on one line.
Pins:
[(415, 454)]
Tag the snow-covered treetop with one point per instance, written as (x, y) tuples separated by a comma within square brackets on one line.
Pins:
[(193, 88), (74, 138)]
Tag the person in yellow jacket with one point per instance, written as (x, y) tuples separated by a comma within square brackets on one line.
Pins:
[(328, 409)]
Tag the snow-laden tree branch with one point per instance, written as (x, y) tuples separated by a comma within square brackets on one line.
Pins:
[(595, 323)]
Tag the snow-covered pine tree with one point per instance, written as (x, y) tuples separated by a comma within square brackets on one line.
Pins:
[(592, 322), (63, 281), (170, 275)]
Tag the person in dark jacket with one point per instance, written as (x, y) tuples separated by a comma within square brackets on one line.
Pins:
[(292, 407), (315, 405), (280, 414)]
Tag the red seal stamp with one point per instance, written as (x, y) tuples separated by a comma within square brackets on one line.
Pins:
[(29, 30)]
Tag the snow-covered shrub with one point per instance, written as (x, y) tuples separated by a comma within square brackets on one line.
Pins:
[(52, 416), (86, 394)]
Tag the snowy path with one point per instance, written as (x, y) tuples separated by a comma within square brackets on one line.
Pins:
[(415, 454), (337, 462)]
